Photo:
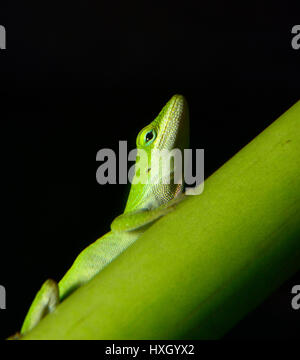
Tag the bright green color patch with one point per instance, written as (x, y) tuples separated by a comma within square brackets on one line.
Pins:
[(198, 270)]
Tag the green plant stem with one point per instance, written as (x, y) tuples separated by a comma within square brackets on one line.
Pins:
[(200, 269)]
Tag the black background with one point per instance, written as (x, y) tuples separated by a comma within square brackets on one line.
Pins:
[(78, 78)]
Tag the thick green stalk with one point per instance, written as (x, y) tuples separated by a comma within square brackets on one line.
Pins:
[(197, 271)]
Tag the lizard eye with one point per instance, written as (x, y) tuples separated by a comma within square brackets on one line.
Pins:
[(150, 137)]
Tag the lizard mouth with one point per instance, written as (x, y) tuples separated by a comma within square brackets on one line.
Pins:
[(175, 126)]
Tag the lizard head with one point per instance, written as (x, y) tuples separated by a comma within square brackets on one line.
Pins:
[(169, 130), (158, 171)]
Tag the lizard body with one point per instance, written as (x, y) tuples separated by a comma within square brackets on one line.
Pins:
[(146, 203)]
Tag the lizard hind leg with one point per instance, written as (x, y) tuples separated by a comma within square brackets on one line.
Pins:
[(44, 302)]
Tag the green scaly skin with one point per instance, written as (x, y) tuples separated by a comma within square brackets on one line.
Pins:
[(146, 203)]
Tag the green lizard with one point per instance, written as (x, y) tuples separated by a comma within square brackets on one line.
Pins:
[(146, 203)]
